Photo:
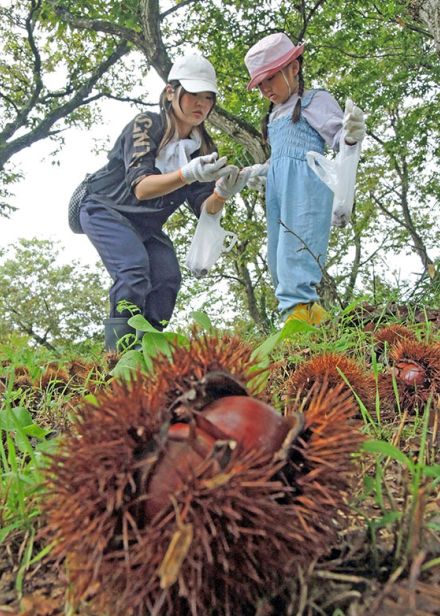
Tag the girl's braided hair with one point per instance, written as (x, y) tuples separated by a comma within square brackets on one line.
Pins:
[(265, 122), (297, 110), (296, 114)]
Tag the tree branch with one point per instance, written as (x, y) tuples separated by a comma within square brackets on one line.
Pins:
[(97, 25), (42, 130), (240, 131), (28, 329), (356, 264), (23, 114), (175, 8)]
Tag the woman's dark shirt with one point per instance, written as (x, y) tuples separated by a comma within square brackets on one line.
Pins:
[(132, 158)]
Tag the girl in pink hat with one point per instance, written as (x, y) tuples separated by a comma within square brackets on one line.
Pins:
[(298, 203)]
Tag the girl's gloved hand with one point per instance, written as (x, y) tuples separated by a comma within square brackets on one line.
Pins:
[(258, 175), (232, 183), (205, 169), (354, 125)]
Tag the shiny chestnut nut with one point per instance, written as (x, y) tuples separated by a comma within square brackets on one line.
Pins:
[(248, 421), (410, 372), (252, 424), (186, 447)]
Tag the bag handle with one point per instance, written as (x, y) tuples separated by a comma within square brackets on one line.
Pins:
[(229, 244)]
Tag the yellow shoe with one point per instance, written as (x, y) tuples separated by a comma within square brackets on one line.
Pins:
[(313, 314), (318, 314), (301, 312)]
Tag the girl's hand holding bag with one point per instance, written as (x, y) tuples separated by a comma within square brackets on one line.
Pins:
[(340, 173), (209, 242)]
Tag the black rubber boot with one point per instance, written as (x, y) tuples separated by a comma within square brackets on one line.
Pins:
[(114, 329)]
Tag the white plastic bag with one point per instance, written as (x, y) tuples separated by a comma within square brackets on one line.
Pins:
[(209, 242), (339, 174)]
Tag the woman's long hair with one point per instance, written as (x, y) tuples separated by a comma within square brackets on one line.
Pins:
[(169, 119)]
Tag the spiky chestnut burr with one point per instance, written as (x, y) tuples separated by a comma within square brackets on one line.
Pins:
[(71, 375), (416, 369), (184, 376), (64, 378), (390, 335), (327, 367), (239, 519), (21, 378)]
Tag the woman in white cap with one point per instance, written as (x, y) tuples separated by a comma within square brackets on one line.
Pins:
[(157, 163), (298, 203)]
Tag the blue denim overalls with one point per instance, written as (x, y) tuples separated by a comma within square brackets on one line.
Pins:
[(296, 197)]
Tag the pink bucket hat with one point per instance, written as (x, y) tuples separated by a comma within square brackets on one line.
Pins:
[(269, 56)]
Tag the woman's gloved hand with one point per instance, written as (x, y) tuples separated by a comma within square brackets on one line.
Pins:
[(232, 183), (205, 169), (354, 125), (258, 176)]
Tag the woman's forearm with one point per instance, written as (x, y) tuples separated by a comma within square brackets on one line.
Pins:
[(152, 186), (213, 204)]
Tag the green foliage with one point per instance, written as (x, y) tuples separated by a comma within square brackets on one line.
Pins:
[(153, 343), (50, 77), (23, 449), (54, 304), (406, 523), (202, 320)]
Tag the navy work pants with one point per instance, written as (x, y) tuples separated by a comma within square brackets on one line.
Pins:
[(141, 262)]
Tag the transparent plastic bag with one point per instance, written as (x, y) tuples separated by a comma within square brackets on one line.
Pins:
[(339, 174), (209, 242)]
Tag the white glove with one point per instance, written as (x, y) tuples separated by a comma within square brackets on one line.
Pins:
[(205, 168), (232, 183), (258, 176), (354, 124)]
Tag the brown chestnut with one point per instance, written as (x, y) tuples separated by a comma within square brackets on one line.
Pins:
[(250, 422), (410, 372)]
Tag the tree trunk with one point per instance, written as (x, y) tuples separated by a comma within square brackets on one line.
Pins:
[(257, 315), (419, 245), (348, 294), (428, 13)]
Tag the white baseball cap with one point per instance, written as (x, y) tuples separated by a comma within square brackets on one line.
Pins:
[(195, 73)]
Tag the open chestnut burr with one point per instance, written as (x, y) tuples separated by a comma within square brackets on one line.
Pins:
[(187, 492)]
